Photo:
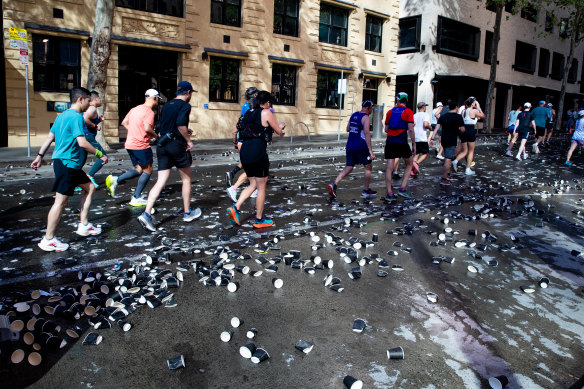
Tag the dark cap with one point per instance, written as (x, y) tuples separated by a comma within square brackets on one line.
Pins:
[(422, 105), (184, 87), (367, 103)]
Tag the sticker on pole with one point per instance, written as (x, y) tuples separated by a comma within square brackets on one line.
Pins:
[(18, 34), (342, 86)]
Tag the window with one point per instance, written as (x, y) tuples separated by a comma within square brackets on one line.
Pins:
[(286, 17), (333, 25), (164, 7), (557, 66), (573, 73), (327, 95), (373, 30), (223, 79), (488, 47), (226, 12), (549, 22), (529, 12), (544, 63), (458, 39), (284, 84), (56, 63), (370, 86), (525, 57), (564, 28), (409, 34)]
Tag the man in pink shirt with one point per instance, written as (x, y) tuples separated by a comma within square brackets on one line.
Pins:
[(140, 125)]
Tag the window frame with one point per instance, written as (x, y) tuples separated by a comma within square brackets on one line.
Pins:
[(276, 95), (488, 50), (573, 72), (553, 75), (524, 45), (223, 81), (56, 68), (331, 27), (285, 17), (328, 90), (369, 36), (418, 27), (544, 55), (125, 4), (460, 54), (224, 4)]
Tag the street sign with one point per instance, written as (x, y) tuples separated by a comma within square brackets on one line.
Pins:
[(342, 86), (18, 34)]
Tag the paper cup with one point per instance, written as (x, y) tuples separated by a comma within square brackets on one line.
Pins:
[(359, 325), (235, 322), (226, 335), (252, 333), (259, 355), (35, 359), (247, 350), (176, 362), (17, 356), (277, 282), (352, 382), (304, 346), (544, 282), (498, 382), (395, 353)]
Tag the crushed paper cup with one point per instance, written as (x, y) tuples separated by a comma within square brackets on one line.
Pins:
[(176, 362), (304, 346)]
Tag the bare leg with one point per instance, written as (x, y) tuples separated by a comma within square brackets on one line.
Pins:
[(421, 158), (462, 152), (185, 176), (240, 180), (55, 214), (395, 165), (388, 173), (343, 174), (154, 193), (446, 167), (88, 191), (368, 169), (549, 136), (470, 154), (512, 142), (522, 146), (572, 148), (260, 200), (409, 164), (246, 193)]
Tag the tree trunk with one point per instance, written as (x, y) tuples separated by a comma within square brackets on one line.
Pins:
[(100, 55), (493, 74), (560, 110)]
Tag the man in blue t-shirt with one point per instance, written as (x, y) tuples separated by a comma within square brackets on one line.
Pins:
[(541, 114), (358, 150), (68, 158)]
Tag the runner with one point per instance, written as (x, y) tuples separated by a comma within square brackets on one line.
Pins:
[(451, 124), (70, 152), (421, 127), (398, 122), (577, 138), (358, 150), (549, 125), (541, 115), (511, 133), (435, 116), (257, 123), (173, 150), (139, 123), (91, 125), (524, 122), (471, 114)]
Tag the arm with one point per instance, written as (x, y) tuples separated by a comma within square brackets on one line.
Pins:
[(88, 115), (427, 125), (533, 125), (184, 131), (85, 145), (149, 130), (268, 118), (45, 146), (365, 121), (478, 113), (412, 137)]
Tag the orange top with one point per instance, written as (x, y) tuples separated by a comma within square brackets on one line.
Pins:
[(137, 138)]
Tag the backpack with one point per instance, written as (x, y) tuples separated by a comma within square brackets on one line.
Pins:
[(249, 126)]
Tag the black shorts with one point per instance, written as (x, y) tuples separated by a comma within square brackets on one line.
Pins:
[(397, 150), (141, 157), (66, 178), (469, 134), (358, 157), (173, 154), (422, 148), (549, 126), (260, 168), (539, 131), (522, 134)]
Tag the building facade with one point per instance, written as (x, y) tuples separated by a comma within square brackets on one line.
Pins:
[(297, 49), (444, 52)]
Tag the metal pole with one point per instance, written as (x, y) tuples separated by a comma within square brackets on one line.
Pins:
[(340, 105), (27, 112)]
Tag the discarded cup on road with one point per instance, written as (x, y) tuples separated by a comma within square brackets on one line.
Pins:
[(235, 322), (233, 286), (472, 269), (176, 362), (277, 282), (527, 289), (352, 382), (124, 325), (544, 282), (359, 325), (17, 356), (304, 346), (247, 350), (35, 359), (259, 355), (498, 382), (432, 297), (226, 335), (251, 333), (395, 353), (92, 339)]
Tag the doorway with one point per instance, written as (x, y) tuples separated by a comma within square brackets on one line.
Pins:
[(409, 85), (140, 69)]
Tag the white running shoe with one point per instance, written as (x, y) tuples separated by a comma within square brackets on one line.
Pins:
[(518, 157), (87, 229), (509, 153), (192, 215), (53, 244), (524, 155), (232, 192), (454, 164), (138, 202), (254, 194), (441, 157), (469, 172), (146, 222)]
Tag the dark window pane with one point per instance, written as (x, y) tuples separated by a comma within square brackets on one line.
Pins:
[(573, 73), (284, 84), (226, 12), (165, 7), (525, 57), (326, 89), (55, 63), (488, 47), (529, 12), (223, 79), (458, 39), (557, 66), (333, 25), (286, 17), (544, 63), (373, 33), (409, 34)]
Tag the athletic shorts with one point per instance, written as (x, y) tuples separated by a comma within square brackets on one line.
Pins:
[(578, 142), (549, 126), (66, 178), (469, 134), (173, 154), (259, 168), (397, 150), (422, 148), (522, 134), (141, 157), (511, 130), (539, 131), (358, 157), (450, 152)]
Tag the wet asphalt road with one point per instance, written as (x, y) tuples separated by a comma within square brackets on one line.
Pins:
[(482, 325)]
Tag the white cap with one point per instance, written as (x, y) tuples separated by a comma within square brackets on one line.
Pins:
[(527, 105), (581, 112), (439, 104), (152, 93)]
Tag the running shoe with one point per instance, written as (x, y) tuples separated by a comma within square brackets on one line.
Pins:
[(445, 182), (254, 194), (390, 196), (93, 182), (447, 178), (454, 165), (440, 157), (229, 179), (52, 245), (87, 229), (395, 176), (509, 153), (262, 223), (524, 155), (404, 193), (232, 192), (233, 214), (112, 184), (192, 215), (369, 194), (568, 163), (138, 202), (416, 168), (472, 164), (146, 222), (518, 157), (332, 189), (78, 189), (469, 172)]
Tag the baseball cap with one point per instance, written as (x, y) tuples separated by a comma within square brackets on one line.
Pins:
[(402, 95), (439, 104), (367, 103), (152, 93), (422, 104), (550, 105), (527, 105), (542, 102), (581, 112), (184, 87)]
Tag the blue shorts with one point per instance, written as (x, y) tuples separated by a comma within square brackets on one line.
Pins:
[(358, 157), (141, 157), (450, 152)]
